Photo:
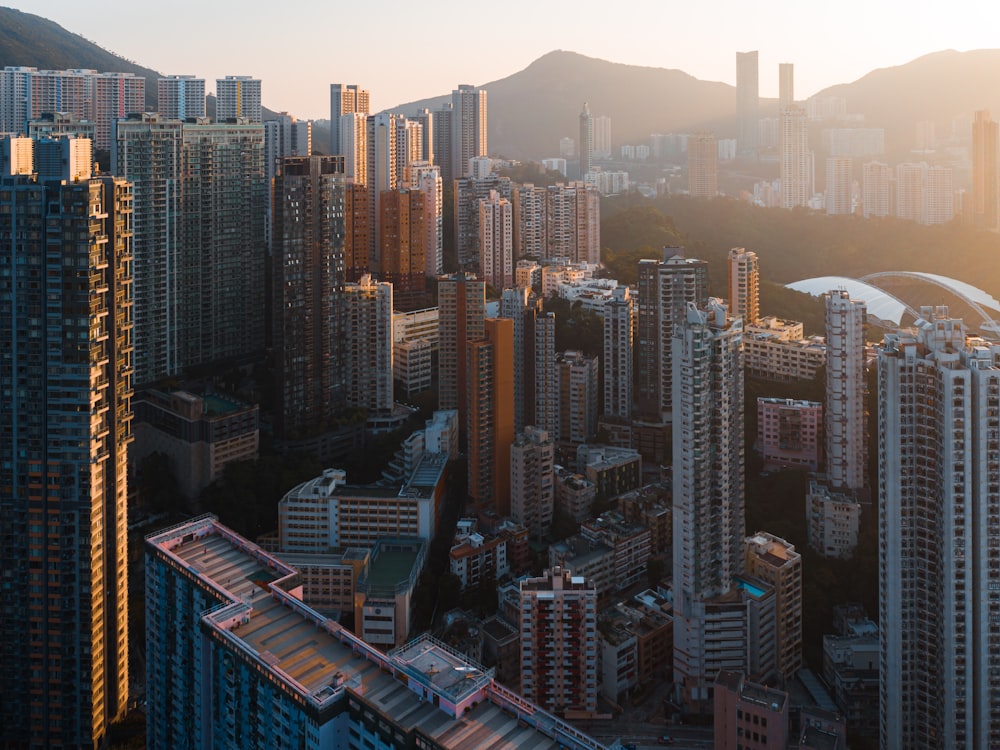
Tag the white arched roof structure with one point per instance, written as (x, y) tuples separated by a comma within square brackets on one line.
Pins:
[(881, 304)]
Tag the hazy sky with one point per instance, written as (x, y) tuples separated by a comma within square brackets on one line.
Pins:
[(403, 51)]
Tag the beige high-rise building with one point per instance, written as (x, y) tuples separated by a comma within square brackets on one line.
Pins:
[(368, 345), (703, 165), (181, 96), (461, 317), (353, 146), (985, 171), (403, 237), (744, 285), (796, 158), (468, 131), (496, 241), (238, 97), (426, 177), (776, 562), (345, 99), (876, 196), (619, 336), (747, 103), (838, 186), (490, 417), (786, 85)]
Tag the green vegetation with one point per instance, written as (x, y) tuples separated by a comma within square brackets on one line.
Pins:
[(576, 328)]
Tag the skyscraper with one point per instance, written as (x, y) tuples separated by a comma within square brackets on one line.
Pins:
[(796, 158), (876, 189), (579, 400), (382, 175), (490, 390), (747, 103), (180, 96), (602, 137), (985, 171), (535, 383), (619, 334), (586, 141), (353, 140), (939, 511), (403, 237), (496, 241), (64, 428), (368, 345), (558, 623), (468, 192), (911, 191), (237, 96), (468, 134), (776, 562), (423, 176), (307, 286), (462, 312), (115, 95), (703, 165), (744, 285), (708, 482), (845, 415), (786, 85), (665, 287), (345, 99)]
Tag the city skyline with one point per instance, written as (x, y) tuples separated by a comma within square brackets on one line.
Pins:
[(699, 44)]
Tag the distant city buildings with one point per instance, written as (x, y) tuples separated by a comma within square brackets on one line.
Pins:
[(747, 103), (985, 171), (703, 166), (238, 97), (180, 96), (586, 140), (345, 99)]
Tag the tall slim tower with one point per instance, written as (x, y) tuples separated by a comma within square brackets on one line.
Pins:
[(532, 484), (586, 141), (786, 85), (876, 189), (845, 422), (796, 158), (619, 333), (496, 241), (238, 96), (468, 135), (744, 285), (708, 482), (368, 345), (665, 289), (403, 238), (838, 185), (985, 171), (66, 322), (307, 288), (703, 165), (747, 103), (345, 99), (939, 511), (423, 176)]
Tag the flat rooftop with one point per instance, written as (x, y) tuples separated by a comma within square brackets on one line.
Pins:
[(391, 566)]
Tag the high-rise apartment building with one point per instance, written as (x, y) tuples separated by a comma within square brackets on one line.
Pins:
[(911, 191), (558, 624), (578, 398), (703, 165), (586, 141), (423, 176), (353, 140), (939, 511), (490, 419), (619, 337), (747, 103), (307, 289), (468, 192), (285, 136), (147, 152), (985, 171), (846, 427), (744, 285), (403, 237), (665, 287), (496, 241), (115, 95), (368, 345), (461, 316), (441, 138), (180, 96), (876, 196), (426, 119), (536, 386), (468, 131), (708, 483), (66, 375), (796, 158), (238, 97), (940, 195), (345, 99), (382, 175), (559, 221), (838, 186), (532, 481), (15, 98), (357, 231)]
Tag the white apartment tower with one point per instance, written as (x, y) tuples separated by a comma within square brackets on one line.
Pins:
[(496, 241), (796, 158), (368, 344), (844, 417), (708, 482), (558, 626), (744, 285), (619, 332), (602, 137), (426, 177), (237, 96), (353, 146), (939, 537), (532, 482), (468, 135), (838, 185), (345, 99), (181, 96)]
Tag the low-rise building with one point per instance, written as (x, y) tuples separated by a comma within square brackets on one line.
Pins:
[(384, 592), (833, 520), (586, 558), (748, 714), (502, 650), (631, 543), (612, 470), (199, 434), (473, 553), (650, 506), (574, 494), (774, 349), (790, 433)]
